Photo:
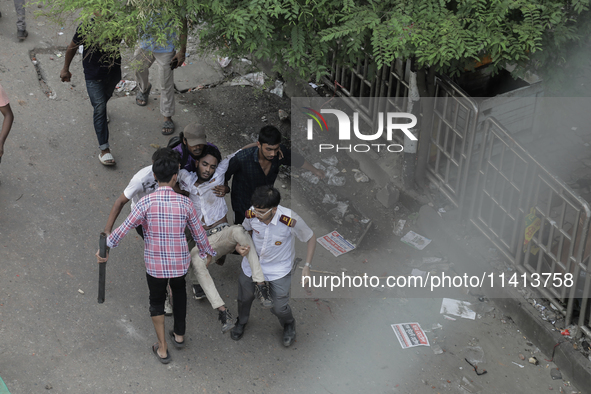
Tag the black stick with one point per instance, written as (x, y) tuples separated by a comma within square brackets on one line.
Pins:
[(102, 268)]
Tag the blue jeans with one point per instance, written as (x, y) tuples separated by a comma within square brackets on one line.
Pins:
[(100, 91)]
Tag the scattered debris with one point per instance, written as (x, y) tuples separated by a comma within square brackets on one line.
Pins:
[(457, 308), (126, 86), (360, 177), (278, 89), (252, 79), (476, 368), (283, 115), (449, 318), (337, 181), (555, 374), (415, 240), (329, 199), (521, 356), (308, 176), (80, 291), (331, 161), (335, 243), (519, 365), (410, 335), (437, 349), (399, 227), (224, 61), (534, 361)]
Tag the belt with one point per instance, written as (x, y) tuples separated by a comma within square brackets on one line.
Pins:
[(216, 229)]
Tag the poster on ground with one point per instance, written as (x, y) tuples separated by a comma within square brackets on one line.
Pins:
[(410, 335)]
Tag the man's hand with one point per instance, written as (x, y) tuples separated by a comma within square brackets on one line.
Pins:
[(180, 58), (319, 173), (208, 262), (100, 259), (65, 76), (221, 190), (242, 250), (306, 272)]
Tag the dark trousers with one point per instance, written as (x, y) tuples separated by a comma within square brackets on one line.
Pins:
[(157, 287), (239, 217), (279, 290), (99, 92)]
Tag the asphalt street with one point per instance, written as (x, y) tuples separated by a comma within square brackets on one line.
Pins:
[(55, 197)]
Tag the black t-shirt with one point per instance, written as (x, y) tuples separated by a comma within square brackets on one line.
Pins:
[(96, 62)]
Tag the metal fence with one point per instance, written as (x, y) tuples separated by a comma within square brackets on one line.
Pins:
[(367, 87), (455, 116), (476, 161), (534, 219)]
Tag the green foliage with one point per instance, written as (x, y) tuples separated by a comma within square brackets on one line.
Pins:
[(450, 35)]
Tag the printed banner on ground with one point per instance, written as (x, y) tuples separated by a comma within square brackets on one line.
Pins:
[(410, 335), (336, 244)]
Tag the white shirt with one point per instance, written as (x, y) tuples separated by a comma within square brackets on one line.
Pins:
[(275, 243), (142, 184), (210, 208)]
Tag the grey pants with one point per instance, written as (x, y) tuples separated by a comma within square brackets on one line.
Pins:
[(19, 6), (279, 289)]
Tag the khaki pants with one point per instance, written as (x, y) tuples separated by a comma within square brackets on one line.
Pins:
[(143, 60), (223, 242)]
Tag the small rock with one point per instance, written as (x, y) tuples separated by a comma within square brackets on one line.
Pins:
[(48, 386), (283, 115), (533, 360), (80, 291), (555, 374)]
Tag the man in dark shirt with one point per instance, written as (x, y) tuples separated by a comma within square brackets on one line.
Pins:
[(102, 71), (259, 166)]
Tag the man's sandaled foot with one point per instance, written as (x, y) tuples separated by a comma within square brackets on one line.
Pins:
[(141, 98), (163, 360), (107, 159), (168, 127)]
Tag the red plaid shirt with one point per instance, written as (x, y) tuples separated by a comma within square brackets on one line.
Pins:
[(164, 214)]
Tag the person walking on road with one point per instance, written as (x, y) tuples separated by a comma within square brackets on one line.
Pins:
[(8, 119), (21, 24), (164, 214), (259, 166), (102, 71), (273, 229), (166, 57)]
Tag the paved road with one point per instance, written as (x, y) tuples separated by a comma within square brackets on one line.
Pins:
[(54, 200)]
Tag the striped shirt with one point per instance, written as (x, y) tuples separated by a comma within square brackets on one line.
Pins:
[(164, 214)]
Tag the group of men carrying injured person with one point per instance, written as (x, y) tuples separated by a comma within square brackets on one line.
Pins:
[(179, 209)]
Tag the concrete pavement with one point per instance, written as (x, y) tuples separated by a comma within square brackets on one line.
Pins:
[(55, 198)]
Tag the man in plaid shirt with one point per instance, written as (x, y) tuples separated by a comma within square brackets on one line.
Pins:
[(164, 214)]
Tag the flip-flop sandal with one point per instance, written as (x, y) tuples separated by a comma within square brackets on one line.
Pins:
[(143, 96), (164, 360), (107, 159), (168, 125), (178, 345)]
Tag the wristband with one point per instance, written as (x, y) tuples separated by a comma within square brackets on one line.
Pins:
[(307, 265)]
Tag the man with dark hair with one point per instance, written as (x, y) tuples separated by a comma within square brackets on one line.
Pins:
[(223, 238), (164, 215), (142, 184), (192, 142), (258, 166), (102, 71), (273, 229)]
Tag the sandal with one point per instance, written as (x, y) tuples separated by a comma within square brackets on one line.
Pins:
[(163, 360), (178, 345), (143, 97), (107, 159), (168, 125)]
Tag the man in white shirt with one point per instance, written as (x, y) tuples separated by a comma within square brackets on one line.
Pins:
[(273, 229), (205, 193)]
